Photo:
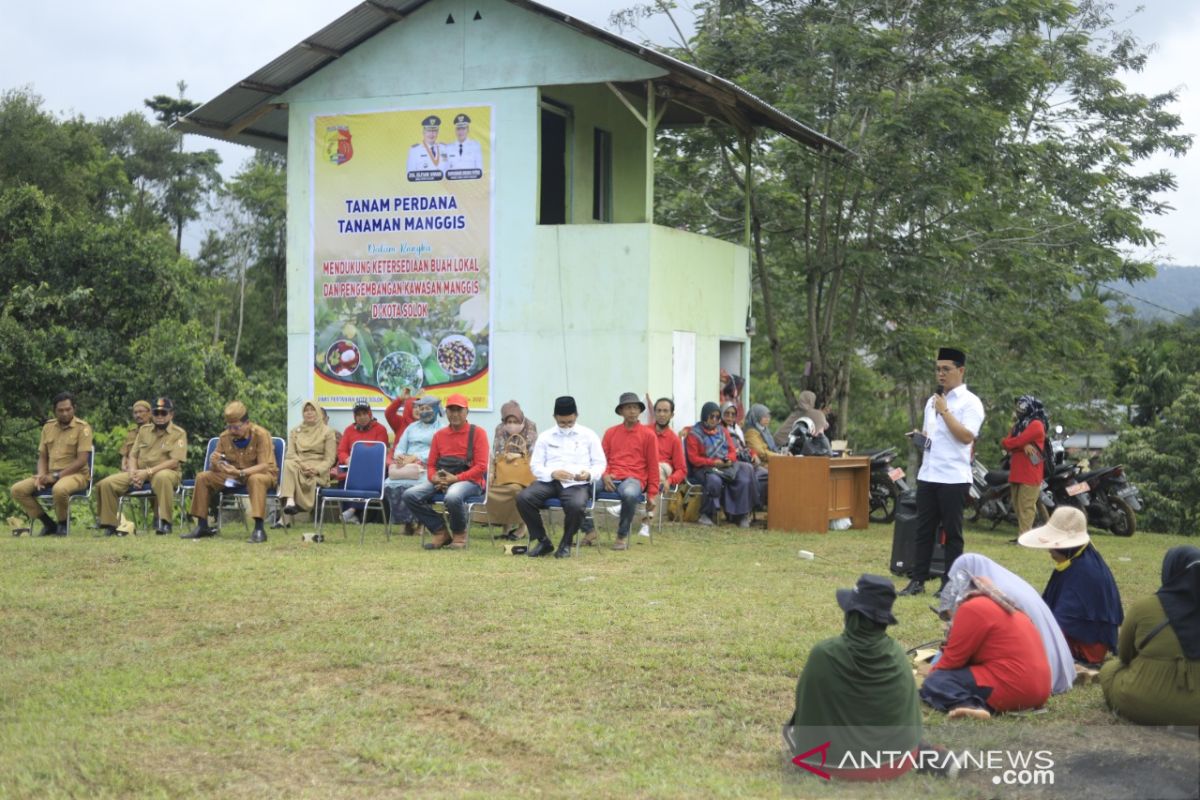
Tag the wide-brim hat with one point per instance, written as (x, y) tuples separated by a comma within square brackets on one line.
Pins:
[(1066, 530), (873, 597), (628, 398)]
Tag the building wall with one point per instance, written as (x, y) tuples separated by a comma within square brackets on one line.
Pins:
[(570, 309)]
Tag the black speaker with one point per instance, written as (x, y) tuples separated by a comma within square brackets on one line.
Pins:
[(904, 540)]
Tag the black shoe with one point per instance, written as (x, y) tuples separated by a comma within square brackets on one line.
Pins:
[(540, 547), (162, 529), (59, 530), (257, 536), (108, 530), (914, 587), (563, 551), (201, 531), (48, 526)]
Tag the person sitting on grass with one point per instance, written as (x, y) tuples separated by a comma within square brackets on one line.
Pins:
[(857, 692), (993, 660), (712, 463), (1155, 678), (1025, 597), (1081, 591)]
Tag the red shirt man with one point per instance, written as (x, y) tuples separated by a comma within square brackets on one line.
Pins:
[(631, 450), (365, 429), (671, 462)]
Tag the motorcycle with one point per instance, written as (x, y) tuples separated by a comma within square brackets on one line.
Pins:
[(887, 483), (990, 496), (1105, 495)]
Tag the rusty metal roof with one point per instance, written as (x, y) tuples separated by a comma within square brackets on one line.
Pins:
[(248, 113)]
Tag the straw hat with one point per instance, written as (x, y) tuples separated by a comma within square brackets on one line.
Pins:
[(1066, 530)]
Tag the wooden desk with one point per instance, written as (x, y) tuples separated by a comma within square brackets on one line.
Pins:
[(805, 492)]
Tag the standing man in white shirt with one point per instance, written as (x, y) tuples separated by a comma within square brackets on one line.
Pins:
[(953, 417), (566, 459)]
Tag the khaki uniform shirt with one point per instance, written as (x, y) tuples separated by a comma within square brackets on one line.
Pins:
[(152, 446), (63, 445), (261, 449), (130, 438)]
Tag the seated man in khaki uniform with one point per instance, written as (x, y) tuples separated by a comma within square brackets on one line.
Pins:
[(62, 464), (158, 451), (245, 456), (141, 416)]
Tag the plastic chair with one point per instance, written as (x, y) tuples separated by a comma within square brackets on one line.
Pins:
[(188, 485), (364, 484), (613, 498), (46, 498), (554, 503), (238, 492)]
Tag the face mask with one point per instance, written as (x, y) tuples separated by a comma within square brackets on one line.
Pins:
[(513, 428), (426, 415)]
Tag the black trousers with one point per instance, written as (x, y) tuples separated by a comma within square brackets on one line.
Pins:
[(938, 505), (532, 500)]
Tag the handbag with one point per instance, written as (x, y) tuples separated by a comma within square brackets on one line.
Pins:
[(512, 463), (728, 474), (457, 464)]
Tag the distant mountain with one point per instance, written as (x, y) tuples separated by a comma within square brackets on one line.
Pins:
[(1174, 288)]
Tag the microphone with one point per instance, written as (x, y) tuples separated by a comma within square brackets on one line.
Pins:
[(940, 389)]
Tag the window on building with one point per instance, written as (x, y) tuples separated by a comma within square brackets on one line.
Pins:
[(602, 175), (552, 206)]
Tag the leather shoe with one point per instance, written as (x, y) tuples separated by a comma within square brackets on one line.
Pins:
[(540, 547), (914, 587), (162, 529), (60, 529), (563, 551), (621, 544), (108, 530), (201, 531), (48, 529), (257, 536)]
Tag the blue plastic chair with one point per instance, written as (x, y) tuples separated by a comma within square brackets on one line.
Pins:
[(554, 503), (188, 485), (238, 492), (365, 475), (46, 497)]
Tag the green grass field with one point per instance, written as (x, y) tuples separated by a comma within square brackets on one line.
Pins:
[(153, 667)]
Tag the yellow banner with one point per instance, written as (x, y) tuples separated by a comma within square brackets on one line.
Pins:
[(401, 216)]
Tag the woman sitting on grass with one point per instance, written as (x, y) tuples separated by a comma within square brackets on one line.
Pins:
[(1024, 597), (1155, 679), (1081, 591), (857, 693), (993, 661)]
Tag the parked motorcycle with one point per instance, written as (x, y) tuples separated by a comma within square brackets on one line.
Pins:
[(1105, 494), (990, 496), (887, 482)]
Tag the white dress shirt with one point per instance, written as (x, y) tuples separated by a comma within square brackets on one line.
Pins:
[(574, 449), (948, 460)]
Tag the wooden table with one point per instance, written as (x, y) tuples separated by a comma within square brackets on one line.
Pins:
[(805, 492)]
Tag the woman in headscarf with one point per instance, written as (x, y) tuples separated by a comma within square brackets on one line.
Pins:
[(1025, 445), (712, 463), (311, 452), (1155, 679), (1081, 592), (1024, 597), (857, 692), (410, 457), (512, 445), (759, 443), (993, 660)]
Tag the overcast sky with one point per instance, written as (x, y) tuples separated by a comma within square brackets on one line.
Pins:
[(101, 59)]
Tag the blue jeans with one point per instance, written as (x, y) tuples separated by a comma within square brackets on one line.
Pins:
[(630, 490), (419, 502)]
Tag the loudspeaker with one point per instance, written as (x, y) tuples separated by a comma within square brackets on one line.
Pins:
[(904, 540)]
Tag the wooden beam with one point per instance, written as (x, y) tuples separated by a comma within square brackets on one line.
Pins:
[(246, 120), (387, 11), (265, 88), (625, 101), (320, 48)]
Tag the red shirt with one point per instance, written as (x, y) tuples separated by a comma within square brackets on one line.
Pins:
[(399, 420), (632, 453), (375, 432), (1002, 650), (1021, 469), (695, 450), (670, 450), (450, 442)]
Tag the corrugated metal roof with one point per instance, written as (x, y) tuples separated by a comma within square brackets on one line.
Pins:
[(248, 114)]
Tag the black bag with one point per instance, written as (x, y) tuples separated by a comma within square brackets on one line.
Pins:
[(728, 474), (904, 540), (457, 465)]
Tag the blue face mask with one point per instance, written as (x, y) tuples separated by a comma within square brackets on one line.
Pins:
[(425, 414)]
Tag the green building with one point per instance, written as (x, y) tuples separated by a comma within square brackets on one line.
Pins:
[(524, 268)]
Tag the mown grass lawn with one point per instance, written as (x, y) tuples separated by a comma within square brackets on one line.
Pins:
[(154, 667)]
